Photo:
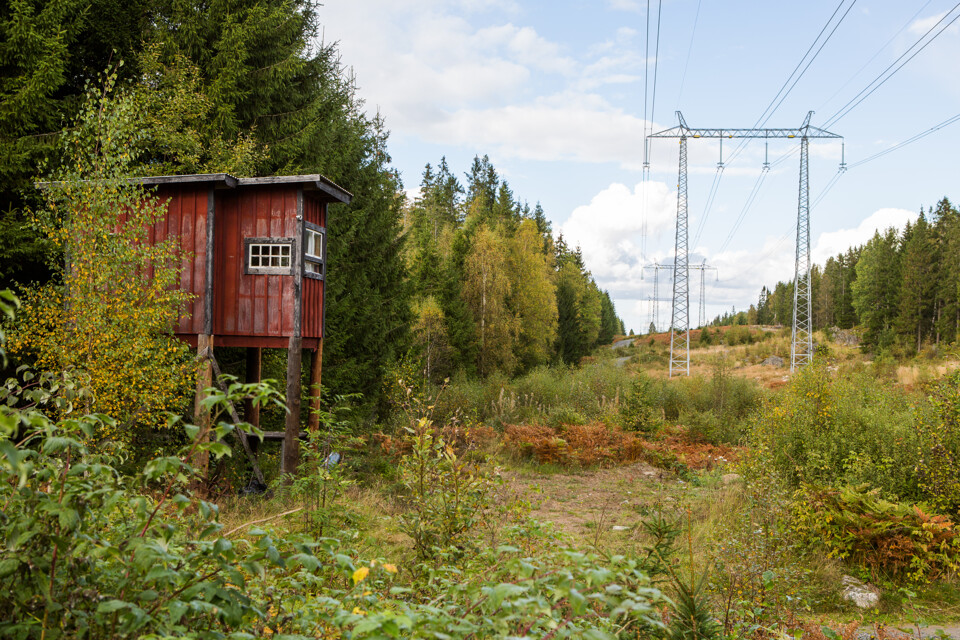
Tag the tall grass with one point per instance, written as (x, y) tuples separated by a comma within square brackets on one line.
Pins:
[(554, 395)]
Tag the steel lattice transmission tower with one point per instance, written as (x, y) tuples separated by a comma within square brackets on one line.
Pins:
[(801, 350), (655, 301), (703, 268), (680, 310), (801, 347)]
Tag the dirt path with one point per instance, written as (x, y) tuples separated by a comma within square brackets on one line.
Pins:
[(606, 500), (603, 508)]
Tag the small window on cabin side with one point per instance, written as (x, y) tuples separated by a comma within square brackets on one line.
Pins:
[(313, 251), (265, 256)]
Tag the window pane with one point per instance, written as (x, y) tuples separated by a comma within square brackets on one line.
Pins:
[(313, 245), (269, 255)]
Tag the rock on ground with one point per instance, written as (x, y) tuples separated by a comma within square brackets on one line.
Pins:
[(860, 594)]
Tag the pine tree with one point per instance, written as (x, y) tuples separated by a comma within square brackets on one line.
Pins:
[(49, 50), (610, 324), (877, 288), (916, 303), (946, 236)]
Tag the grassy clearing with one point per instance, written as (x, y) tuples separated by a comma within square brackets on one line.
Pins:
[(851, 422)]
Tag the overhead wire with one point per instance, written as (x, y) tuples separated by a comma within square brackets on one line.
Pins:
[(646, 144), (822, 45), (882, 78), (648, 121), (880, 154), (693, 35), (878, 52), (909, 140), (711, 196), (774, 104), (785, 90), (879, 81), (656, 61), (746, 207)]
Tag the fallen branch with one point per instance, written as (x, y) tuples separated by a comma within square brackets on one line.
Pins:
[(273, 517)]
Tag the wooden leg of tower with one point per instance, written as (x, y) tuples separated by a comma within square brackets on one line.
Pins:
[(251, 412), (201, 415), (316, 365), (291, 435)]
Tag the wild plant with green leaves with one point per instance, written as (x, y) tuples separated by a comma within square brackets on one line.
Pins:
[(448, 496), (89, 553), (323, 474)]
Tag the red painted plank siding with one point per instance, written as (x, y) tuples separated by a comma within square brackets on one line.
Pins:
[(255, 304), (313, 211), (248, 310), (186, 220)]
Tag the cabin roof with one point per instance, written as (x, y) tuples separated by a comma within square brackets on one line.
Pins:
[(314, 182)]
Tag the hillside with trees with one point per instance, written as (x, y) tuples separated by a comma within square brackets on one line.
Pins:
[(902, 287)]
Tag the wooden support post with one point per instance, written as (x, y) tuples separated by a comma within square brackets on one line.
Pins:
[(291, 434), (201, 415), (251, 412), (316, 365)]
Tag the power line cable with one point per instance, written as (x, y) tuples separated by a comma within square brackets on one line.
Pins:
[(711, 196), (874, 56), (822, 45), (880, 154), (693, 34), (910, 140), (882, 78), (771, 109), (746, 207), (656, 63), (794, 76)]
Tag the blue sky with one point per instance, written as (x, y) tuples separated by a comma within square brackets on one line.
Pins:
[(554, 93)]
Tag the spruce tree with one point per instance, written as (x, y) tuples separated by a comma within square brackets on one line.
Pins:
[(876, 290), (918, 286)]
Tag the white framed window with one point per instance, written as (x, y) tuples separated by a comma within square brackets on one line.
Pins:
[(314, 251), (313, 244), (268, 256)]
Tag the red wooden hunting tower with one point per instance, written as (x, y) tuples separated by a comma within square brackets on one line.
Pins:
[(254, 255)]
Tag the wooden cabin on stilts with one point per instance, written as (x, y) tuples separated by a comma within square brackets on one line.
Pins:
[(254, 255)]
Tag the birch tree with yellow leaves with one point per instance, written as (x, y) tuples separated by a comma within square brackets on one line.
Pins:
[(110, 310)]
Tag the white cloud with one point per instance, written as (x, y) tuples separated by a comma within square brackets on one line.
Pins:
[(584, 129), (742, 273), (490, 84), (921, 26), (526, 46), (610, 231), (831, 243)]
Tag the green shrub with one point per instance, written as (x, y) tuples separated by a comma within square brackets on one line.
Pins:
[(447, 496), (640, 410), (834, 430), (88, 553), (938, 464), (592, 392)]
